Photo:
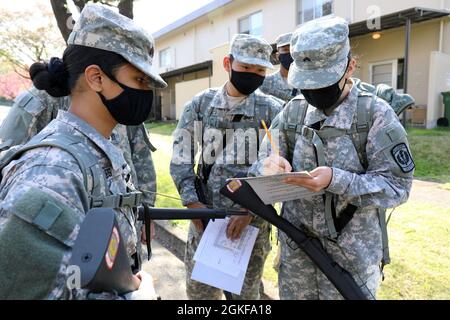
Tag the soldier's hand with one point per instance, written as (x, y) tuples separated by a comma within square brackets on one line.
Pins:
[(321, 180), (276, 165), (146, 289), (198, 223), (236, 225)]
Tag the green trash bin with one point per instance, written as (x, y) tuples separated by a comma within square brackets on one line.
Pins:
[(446, 99)]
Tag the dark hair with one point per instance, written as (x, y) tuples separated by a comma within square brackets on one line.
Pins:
[(59, 77)]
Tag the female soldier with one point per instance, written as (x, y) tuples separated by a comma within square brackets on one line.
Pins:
[(357, 154), (47, 190)]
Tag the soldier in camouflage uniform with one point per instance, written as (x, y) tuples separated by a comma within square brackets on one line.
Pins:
[(45, 188), (238, 107), (325, 147), (276, 84), (33, 110)]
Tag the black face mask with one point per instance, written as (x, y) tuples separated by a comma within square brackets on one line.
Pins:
[(246, 82), (325, 98), (130, 108), (286, 60)]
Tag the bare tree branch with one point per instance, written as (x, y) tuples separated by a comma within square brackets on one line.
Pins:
[(63, 16), (80, 4), (126, 8)]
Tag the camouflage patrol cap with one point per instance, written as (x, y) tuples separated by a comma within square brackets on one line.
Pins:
[(284, 40), (320, 49), (251, 50), (100, 27)]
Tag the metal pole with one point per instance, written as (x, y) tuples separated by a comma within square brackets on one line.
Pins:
[(406, 63)]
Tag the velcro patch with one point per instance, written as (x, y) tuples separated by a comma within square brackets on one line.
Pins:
[(403, 158), (234, 186)]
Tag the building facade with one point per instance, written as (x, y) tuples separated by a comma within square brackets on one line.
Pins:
[(191, 50)]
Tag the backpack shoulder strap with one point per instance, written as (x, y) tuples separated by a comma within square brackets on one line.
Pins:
[(64, 142), (364, 120), (295, 114)]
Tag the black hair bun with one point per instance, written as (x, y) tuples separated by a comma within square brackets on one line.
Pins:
[(51, 77)]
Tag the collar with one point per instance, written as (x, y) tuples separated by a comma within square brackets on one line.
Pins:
[(245, 107), (114, 154)]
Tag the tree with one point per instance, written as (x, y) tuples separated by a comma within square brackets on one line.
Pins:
[(27, 37), (11, 84), (64, 16)]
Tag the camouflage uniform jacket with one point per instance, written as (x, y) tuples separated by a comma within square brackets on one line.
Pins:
[(385, 184), (211, 107), (278, 87)]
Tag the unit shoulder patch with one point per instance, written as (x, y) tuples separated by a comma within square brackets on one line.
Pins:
[(403, 157)]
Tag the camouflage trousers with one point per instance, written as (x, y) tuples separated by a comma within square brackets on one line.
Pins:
[(251, 288), (300, 279)]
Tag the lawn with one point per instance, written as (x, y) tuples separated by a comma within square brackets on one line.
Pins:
[(418, 231), (160, 136), (431, 151)]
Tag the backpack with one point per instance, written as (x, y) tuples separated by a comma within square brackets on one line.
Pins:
[(294, 127)]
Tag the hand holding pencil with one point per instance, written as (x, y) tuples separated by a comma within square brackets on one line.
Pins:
[(274, 164)]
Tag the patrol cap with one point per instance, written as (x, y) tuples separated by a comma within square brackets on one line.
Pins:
[(251, 50), (100, 27), (284, 40), (320, 49)]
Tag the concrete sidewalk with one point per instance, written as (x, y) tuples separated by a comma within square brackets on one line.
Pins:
[(168, 273), (430, 192)]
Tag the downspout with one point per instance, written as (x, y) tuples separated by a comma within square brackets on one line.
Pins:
[(441, 30)]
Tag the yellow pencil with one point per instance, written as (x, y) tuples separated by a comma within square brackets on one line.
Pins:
[(274, 146)]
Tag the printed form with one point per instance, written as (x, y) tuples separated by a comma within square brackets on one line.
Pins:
[(272, 189), (221, 262)]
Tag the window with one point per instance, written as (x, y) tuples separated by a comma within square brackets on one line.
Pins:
[(165, 58), (312, 9), (389, 73), (252, 24)]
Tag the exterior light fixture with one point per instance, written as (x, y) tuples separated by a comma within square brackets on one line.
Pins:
[(376, 36)]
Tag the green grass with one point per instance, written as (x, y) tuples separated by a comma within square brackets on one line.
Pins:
[(419, 236), (431, 150), (161, 128), (161, 138), (419, 232)]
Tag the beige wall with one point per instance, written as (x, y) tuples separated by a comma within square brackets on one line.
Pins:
[(439, 81), (184, 92), (208, 39), (446, 35), (192, 44), (220, 76), (424, 38)]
